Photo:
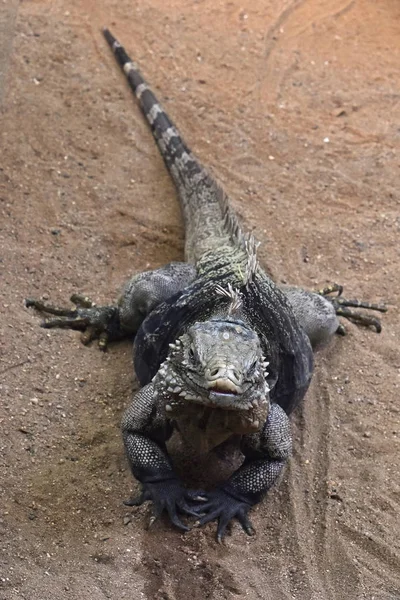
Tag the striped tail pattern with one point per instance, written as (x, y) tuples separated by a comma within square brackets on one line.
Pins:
[(209, 220)]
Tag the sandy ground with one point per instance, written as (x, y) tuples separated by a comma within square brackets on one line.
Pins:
[(295, 107)]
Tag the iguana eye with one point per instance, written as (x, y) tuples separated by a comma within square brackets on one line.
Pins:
[(191, 353)]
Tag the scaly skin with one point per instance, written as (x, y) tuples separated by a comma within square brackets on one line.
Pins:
[(222, 353)]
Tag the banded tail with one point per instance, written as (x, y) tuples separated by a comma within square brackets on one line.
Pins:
[(209, 221)]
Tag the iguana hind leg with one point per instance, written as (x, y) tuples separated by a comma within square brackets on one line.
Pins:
[(342, 308), (318, 312), (314, 313), (140, 296)]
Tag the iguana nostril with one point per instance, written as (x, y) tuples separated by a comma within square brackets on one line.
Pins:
[(224, 372), (236, 374), (214, 372)]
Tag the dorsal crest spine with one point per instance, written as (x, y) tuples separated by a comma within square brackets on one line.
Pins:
[(233, 295)]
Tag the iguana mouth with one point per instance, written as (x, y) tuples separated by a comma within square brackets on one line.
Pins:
[(226, 401), (224, 393), (224, 386)]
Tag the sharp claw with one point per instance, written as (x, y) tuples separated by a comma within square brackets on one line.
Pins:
[(88, 335), (152, 520), (82, 301), (171, 510), (130, 502), (341, 330), (196, 496), (377, 325), (178, 523), (158, 509), (103, 341), (223, 522), (331, 289), (246, 524), (200, 498), (222, 525)]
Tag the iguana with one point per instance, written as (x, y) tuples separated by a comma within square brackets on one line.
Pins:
[(222, 353)]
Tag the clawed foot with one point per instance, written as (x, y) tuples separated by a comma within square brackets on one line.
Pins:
[(171, 497), (95, 322), (224, 507), (343, 308)]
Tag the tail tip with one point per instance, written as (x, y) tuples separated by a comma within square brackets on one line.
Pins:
[(108, 35)]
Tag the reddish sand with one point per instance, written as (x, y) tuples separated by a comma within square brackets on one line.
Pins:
[(294, 106)]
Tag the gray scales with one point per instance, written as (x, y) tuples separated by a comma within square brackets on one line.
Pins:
[(222, 353)]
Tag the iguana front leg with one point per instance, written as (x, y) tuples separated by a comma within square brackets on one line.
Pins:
[(145, 430), (140, 296), (266, 454), (102, 322)]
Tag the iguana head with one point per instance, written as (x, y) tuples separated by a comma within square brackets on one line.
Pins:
[(217, 364)]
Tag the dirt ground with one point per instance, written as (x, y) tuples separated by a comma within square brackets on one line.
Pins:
[(295, 107)]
